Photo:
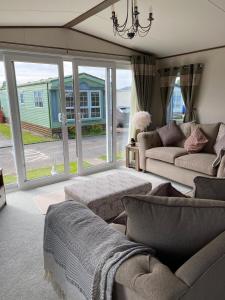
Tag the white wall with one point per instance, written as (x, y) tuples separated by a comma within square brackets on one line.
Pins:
[(58, 40)]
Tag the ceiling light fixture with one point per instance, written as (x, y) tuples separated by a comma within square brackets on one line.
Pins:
[(129, 32)]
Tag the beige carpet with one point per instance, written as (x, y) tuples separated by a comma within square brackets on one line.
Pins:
[(43, 201)]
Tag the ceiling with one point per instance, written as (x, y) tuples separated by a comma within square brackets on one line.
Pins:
[(179, 26)]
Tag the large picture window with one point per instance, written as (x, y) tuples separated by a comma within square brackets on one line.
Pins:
[(38, 98)]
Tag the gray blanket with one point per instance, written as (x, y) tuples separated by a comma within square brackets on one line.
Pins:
[(82, 252)]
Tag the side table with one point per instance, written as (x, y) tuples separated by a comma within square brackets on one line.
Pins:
[(132, 157)]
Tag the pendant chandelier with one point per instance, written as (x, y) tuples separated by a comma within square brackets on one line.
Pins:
[(129, 32)]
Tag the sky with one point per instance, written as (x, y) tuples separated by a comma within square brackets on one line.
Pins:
[(27, 72)]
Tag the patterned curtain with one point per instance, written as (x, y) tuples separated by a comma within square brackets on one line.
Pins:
[(190, 76), (144, 71), (167, 83)]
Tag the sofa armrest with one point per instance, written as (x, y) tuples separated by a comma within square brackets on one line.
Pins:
[(221, 169), (205, 271), (147, 140), (150, 279)]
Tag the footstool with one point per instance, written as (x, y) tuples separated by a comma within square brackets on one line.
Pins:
[(102, 194)]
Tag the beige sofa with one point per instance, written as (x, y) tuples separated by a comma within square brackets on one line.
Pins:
[(174, 162)]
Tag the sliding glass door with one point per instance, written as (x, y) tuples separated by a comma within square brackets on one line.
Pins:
[(59, 118), (94, 90), (36, 90)]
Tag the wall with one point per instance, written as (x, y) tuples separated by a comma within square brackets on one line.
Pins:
[(59, 41), (210, 102)]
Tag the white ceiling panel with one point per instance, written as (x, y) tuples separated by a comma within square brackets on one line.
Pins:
[(179, 26), (42, 12)]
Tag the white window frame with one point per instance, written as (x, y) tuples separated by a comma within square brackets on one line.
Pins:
[(85, 107), (92, 106), (70, 107), (38, 99)]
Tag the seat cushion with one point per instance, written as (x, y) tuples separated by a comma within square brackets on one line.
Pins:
[(211, 132), (199, 162), (167, 154), (175, 227)]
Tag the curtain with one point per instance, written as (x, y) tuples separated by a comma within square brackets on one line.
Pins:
[(133, 110), (190, 76), (144, 72), (167, 83)]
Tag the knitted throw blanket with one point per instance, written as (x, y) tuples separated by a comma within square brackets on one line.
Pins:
[(82, 252)]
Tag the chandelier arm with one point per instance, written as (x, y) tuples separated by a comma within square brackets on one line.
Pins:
[(126, 20)]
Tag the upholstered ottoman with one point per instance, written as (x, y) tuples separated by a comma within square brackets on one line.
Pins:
[(102, 194)]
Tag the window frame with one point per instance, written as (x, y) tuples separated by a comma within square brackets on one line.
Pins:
[(95, 106), (40, 99), (71, 109)]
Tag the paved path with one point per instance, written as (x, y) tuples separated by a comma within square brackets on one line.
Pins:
[(45, 154)]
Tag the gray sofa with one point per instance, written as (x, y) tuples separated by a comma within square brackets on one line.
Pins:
[(174, 162), (200, 278)]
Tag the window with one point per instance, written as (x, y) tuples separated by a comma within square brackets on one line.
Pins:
[(90, 104), (176, 108), (83, 99), (21, 98), (70, 105), (38, 98), (84, 110), (95, 105)]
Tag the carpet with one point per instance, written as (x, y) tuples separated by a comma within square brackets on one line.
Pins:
[(45, 200)]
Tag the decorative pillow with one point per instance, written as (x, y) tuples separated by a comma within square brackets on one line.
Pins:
[(219, 145), (211, 132), (209, 188), (219, 148), (164, 189), (170, 134), (196, 141), (221, 132), (176, 228), (186, 130)]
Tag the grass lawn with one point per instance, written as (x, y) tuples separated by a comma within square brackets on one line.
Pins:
[(28, 137), (43, 172), (119, 156)]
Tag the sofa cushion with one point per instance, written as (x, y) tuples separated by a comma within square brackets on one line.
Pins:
[(186, 130), (170, 134), (209, 188), (175, 227), (211, 132), (167, 154), (196, 141), (199, 162)]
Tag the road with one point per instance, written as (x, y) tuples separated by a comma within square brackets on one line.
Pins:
[(45, 154)]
